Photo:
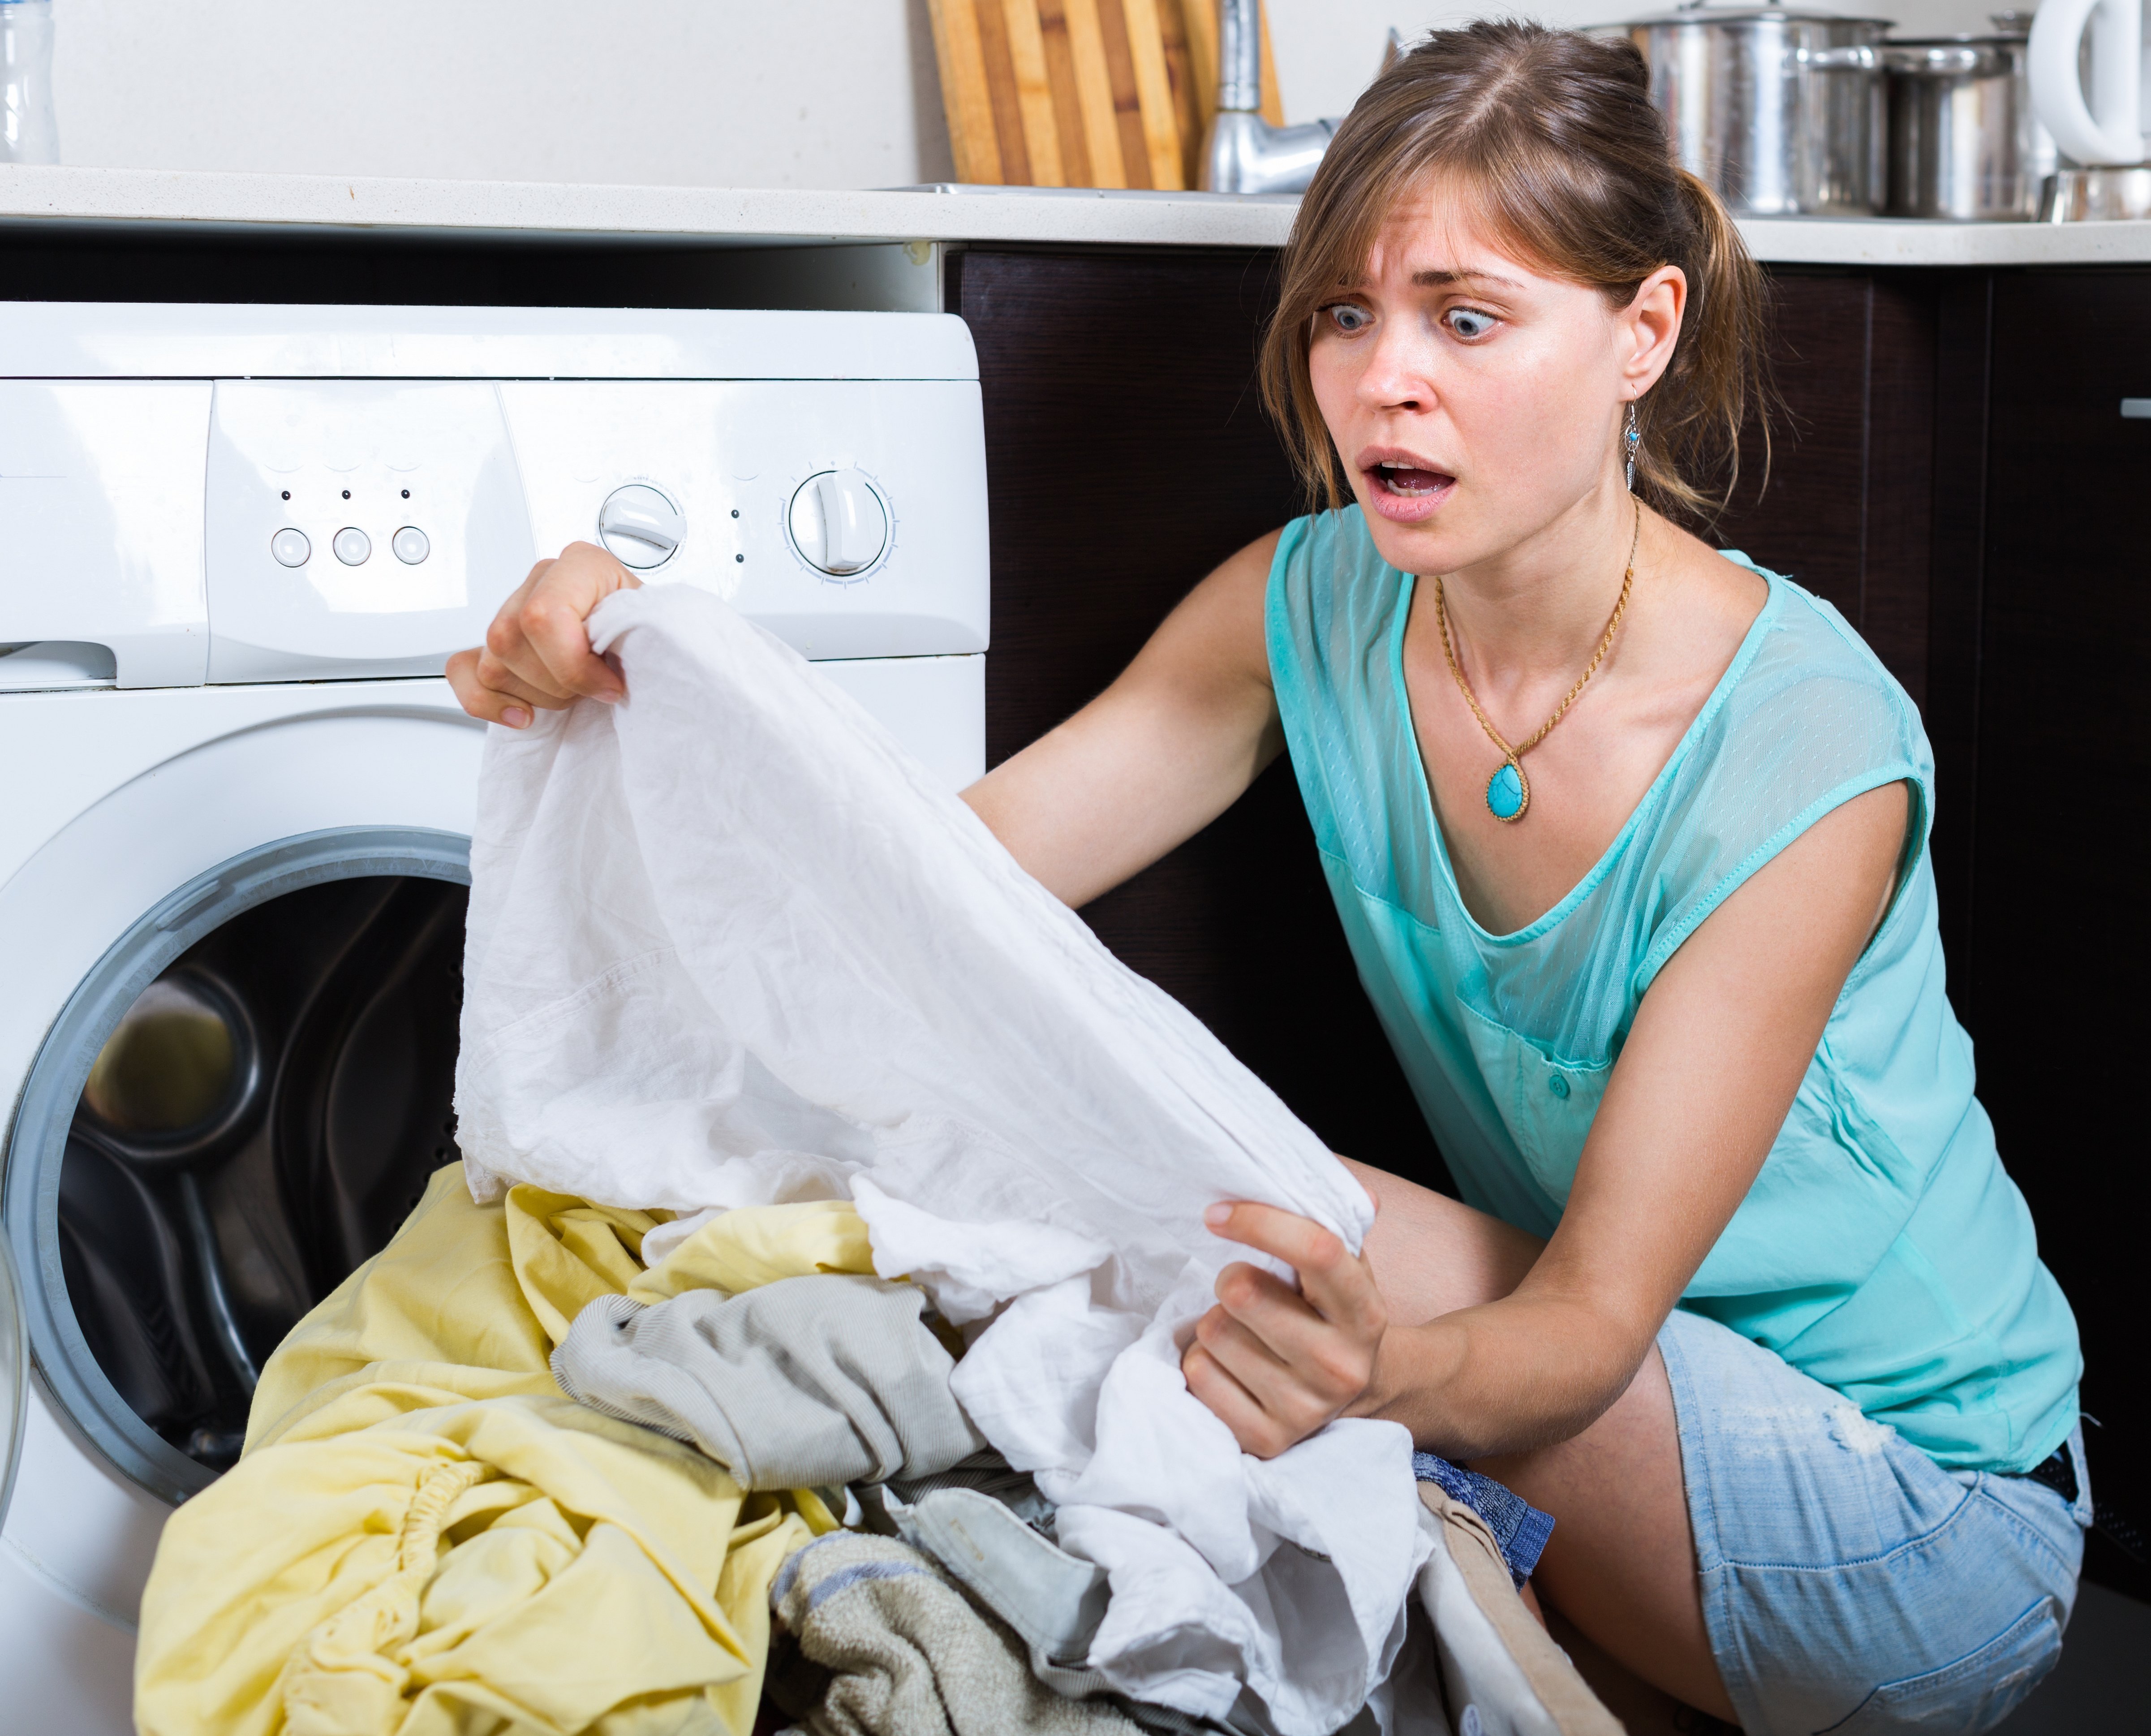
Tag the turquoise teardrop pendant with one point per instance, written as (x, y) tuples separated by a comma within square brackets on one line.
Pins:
[(1508, 792)]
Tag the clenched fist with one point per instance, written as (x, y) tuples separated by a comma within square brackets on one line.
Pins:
[(537, 652)]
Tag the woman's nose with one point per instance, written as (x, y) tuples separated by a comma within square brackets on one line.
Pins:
[(1396, 376)]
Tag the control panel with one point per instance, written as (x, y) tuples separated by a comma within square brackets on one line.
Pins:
[(846, 516), (356, 495), (357, 527)]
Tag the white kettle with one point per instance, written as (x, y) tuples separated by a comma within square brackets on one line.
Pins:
[(2109, 129)]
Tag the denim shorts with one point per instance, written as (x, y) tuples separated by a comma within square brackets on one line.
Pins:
[(1849, 1583)]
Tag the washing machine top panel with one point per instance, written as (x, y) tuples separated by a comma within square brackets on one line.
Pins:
[(207, 341), (229, 494)]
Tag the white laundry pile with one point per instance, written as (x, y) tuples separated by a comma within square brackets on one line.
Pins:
[(729, 945)]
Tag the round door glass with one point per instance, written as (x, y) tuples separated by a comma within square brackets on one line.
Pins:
[(234, 1111)]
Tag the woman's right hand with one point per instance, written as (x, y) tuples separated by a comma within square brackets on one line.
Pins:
[(537, 653)]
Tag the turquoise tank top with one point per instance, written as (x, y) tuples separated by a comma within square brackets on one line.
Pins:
[(1882, 1249)]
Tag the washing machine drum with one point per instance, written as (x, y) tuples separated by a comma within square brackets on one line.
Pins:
[(240, 1104)]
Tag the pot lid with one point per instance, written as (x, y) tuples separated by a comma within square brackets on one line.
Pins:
[(1754, 15), (1953, 55)]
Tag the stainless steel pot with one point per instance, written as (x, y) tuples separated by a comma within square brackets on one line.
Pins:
[(1780, 110), (2096, 195), (1963, 142)]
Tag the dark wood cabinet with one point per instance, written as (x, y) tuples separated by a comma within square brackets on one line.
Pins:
[(1839, 498), (2052, 981)]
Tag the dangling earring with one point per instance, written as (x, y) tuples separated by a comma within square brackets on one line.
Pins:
[(1631, 439)]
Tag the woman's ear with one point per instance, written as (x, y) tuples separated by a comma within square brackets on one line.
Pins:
[(1648, 327)]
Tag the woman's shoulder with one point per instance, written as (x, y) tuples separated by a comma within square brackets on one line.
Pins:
[(1806, 689), (1806, 719), (1315, 545), (1809, 632), (1808, 650), (1328, 583)]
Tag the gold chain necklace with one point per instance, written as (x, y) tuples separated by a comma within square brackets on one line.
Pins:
[(1508, 791)]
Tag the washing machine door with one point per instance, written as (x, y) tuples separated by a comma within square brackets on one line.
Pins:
[(238, 1106), (14, 1364), (228, 1040)]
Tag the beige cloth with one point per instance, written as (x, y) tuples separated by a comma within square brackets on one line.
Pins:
[(908, 1656), (1490, 1655)]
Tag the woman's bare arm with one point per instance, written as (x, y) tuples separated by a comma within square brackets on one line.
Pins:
[(1157, 755), (1719, 1048), (1151, 762)]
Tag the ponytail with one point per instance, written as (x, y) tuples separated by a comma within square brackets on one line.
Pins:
[(1690, 421)]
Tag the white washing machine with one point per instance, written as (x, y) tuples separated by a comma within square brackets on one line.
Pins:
[(237, 544)]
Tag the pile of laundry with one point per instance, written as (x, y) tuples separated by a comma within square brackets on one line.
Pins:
[(829, 1229)]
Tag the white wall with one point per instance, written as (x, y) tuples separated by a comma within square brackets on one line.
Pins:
[(714, 93), (711, 93), (1327, 50)]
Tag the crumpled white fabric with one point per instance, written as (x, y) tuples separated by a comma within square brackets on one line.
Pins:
[(728, 944)]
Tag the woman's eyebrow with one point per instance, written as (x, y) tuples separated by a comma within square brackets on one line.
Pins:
[(1433, 279)]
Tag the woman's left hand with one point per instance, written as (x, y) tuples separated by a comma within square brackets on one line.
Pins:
[(1275, 1364)]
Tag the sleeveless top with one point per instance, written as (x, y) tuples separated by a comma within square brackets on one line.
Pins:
[(1882, 1250)]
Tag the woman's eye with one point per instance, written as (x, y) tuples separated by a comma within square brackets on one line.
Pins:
[(1348, 318), (1468, 322)]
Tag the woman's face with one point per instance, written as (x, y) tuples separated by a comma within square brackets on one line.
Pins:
[(1475, 400)]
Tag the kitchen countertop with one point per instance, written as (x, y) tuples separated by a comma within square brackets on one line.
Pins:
[(128, 198)]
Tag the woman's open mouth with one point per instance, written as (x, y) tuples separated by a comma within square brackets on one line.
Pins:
[(1405, 489)]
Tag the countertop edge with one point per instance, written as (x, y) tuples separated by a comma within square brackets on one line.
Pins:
[(69, 196), (125, 198)]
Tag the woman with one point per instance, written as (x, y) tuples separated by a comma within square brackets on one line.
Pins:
[(1629, 838)]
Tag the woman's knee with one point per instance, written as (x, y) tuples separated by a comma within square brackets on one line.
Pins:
[(1432, 1255)]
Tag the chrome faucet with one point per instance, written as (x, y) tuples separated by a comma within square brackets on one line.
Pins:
[(1244, 152)]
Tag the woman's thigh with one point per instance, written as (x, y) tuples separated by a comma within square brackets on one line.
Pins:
[(1621, 1564)]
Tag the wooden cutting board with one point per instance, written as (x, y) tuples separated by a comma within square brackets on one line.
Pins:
[(1082, 93)]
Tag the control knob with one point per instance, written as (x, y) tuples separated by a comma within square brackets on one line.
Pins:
[(640, 527), (839, 522)]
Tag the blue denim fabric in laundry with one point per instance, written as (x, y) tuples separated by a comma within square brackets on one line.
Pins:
[(1519, 1528), (1851, 1584)]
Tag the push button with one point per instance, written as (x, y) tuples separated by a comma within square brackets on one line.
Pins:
[(410, 545), (290, 547), (1557, 1083), (353, 545)]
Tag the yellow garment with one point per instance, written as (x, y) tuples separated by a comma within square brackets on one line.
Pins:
[(425, 1538), (757, 1245)]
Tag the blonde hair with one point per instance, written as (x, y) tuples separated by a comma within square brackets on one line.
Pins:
[(1553, 137)]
